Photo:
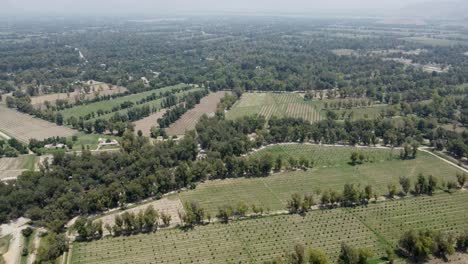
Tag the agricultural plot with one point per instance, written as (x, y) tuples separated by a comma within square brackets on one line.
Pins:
[(169, 205), (96, 89), (144, 125), (362, 113), (13, 167), (272, 104), (262, 239), (440, 212), (152, 104), (25, 127), (107, 105), (331, 171), (189, 120)]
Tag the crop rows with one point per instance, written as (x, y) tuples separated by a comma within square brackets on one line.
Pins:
[(107, 105), (25, 127), (277, 105), (152, 104), (188, 121), (331, 171), (261, 239), (326, 155)]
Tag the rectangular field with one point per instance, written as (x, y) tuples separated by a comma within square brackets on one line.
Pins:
[(107, 105), (152, 104), (189, 120), (25, 127), (274, 104), (258, 240), (96, 89), (13, 167), (331, 171)]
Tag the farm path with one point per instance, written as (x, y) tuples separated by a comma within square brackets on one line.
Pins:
[(5, 136), (14, 229), (425, 149), (36, 241)]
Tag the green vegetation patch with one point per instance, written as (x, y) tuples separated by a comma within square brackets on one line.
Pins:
[(107, 105), (331, 171), (262, 239), (274, 104), (4, 244)]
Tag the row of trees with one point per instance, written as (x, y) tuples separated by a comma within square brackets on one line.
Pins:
[(175, 113), (419, 245), (12, 148), (302, 255)]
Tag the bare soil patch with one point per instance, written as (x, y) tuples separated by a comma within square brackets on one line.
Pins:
[(96, 89), (169, 205), (188, 121), (25, 127), (147, 123)]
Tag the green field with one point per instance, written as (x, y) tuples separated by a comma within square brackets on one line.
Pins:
[(29, 162), (435, 41), (362, 113), (274, 104), (294, 105), (377, 226), (83, 110), (151, 104), (331, 171)]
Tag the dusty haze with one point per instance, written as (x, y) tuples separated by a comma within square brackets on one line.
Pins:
[(197, 6)]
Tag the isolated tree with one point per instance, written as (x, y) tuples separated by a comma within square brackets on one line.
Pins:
[(316, 256), (392, 190), (354, 157), (241, 209), (368, 192), (294, 204), (166, 218), (298, 255), (432, 185), (461, 178), (348, 255), (405, 183), (278, 163), (444, 244), (224, 213)]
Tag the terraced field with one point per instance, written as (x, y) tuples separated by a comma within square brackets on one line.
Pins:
[(25, 127), (274, 104), (331, 171), (257, 240)]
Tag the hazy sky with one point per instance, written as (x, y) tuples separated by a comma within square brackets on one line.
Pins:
[(174, 6)]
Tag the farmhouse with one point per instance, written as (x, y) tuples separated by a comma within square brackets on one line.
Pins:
[(107, 142)]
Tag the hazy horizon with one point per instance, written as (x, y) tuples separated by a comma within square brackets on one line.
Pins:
[(110, 7)]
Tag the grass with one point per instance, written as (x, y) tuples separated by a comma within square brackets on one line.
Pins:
[(4, 244), (274, 104), (90, 140), (294, 105), (28, 242), (362, 113), (257, 240), (331, 171), (151, 104), (30, 162), (83, 110)]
